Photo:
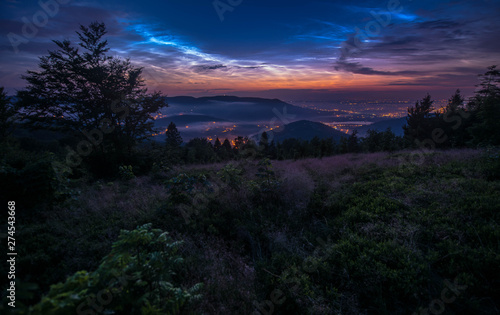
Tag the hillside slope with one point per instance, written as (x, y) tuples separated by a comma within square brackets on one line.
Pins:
[(306, 130), (373, 233)]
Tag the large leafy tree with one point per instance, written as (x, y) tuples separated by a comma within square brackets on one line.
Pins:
[(83, 90)]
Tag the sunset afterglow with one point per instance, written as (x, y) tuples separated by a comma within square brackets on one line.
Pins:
[(288, 50)]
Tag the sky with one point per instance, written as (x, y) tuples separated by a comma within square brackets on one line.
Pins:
[(292, 50)]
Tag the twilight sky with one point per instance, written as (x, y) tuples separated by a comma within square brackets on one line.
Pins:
[(272, 48)]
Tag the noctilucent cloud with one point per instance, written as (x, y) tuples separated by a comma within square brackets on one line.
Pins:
[(271, 48)]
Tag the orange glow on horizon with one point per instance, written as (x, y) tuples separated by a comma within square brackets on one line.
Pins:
[(285, 79)]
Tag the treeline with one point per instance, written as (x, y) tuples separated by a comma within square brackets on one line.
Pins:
[(474, 123), (200, 150)]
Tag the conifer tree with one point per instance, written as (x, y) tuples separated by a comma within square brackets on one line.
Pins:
[(82, 90), (173, 137), (418, 122)]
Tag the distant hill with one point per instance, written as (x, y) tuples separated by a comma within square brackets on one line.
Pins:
[(240, 109), (233, 115), (306, 130), (222, 98), (181, 120), (396, 125)]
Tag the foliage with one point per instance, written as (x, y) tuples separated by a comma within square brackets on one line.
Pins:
[(199, 150), (35, 180), (418, 122), (377, 141), (7, 115), (485, 109), (126, 172), (454, 121), (182, 186), (267, 181), (137, 277), (173, 141), (231, 175), (491, 163), (372, 237), (83, 90)]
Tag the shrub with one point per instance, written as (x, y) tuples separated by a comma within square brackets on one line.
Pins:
[(231, 175), (137, 277), (126, 172)]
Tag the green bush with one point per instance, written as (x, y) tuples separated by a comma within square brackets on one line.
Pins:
[(126, 172), (231, 175), (137, 277)]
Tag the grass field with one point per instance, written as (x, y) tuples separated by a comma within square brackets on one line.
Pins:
[(382, 233)]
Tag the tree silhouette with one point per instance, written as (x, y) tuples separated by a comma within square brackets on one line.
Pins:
[(455, 102), (418, 123), (489, 83), (83, 90), (173, 141), (7, 115), (485, 107), (217, 144), (218, 148), (200, 150), (173, 137), (264, 144), (352, 142), (226, 152), (454, 121)]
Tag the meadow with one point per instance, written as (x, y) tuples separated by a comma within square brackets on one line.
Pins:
[(371, 233)]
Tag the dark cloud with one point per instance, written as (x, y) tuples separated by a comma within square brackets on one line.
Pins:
[(207, 68), (357, 68), (443, 80), (438, 24)]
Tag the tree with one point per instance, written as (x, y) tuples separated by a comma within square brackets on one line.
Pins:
[(244, 147), (489, 83), (352, 142), (217, 145), (7, 115), (315, 147), (327, 146), (485, 108), (173, 137), (454, 121), (418, 122), (273, 151), (173, 141), (391, 142), (264, 144), (83, 90), (373, 141), (200, 150), (237, 145), (455, 102), (226, 152)]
